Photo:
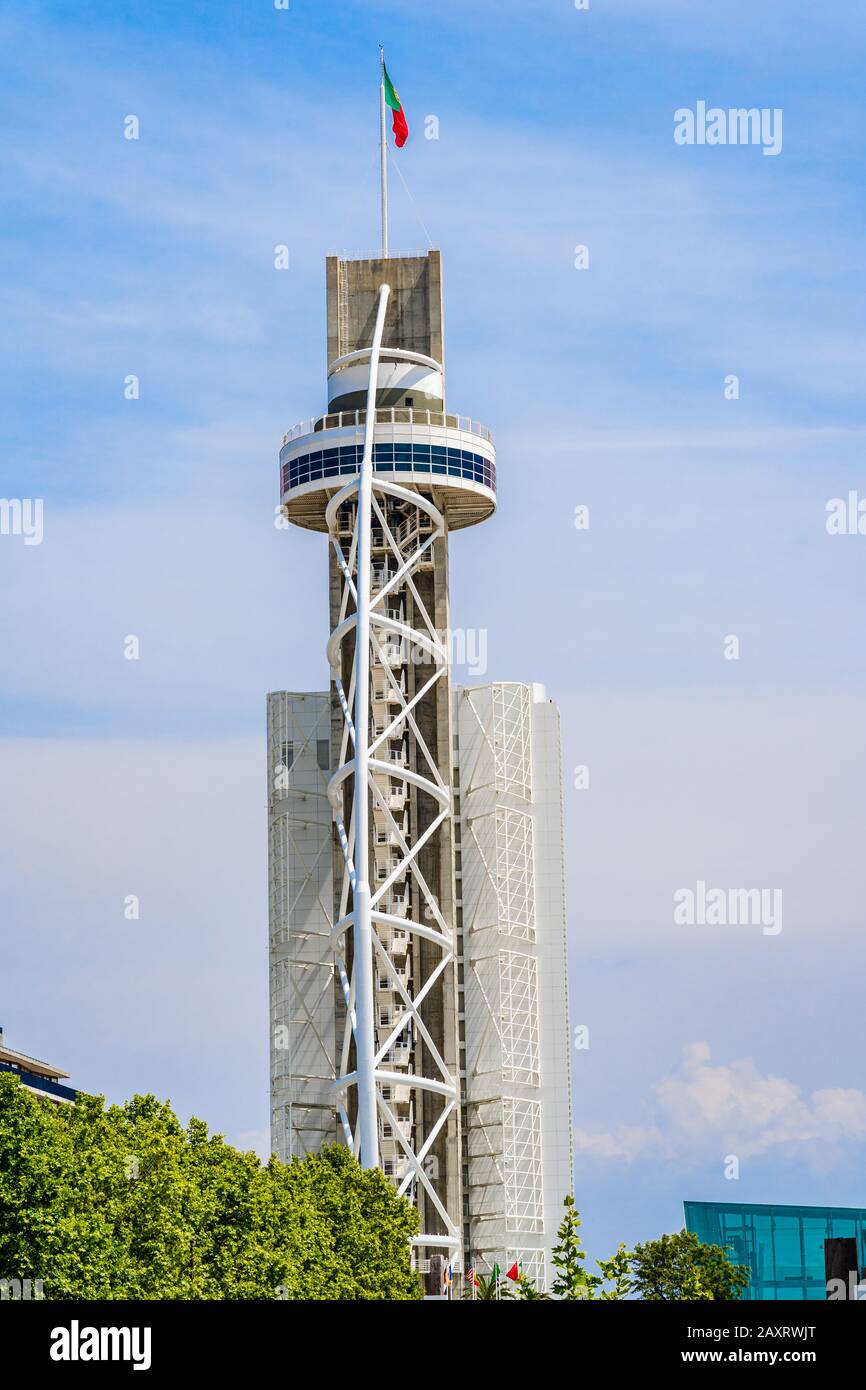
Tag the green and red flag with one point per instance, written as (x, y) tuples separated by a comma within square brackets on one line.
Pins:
[(399, 124)]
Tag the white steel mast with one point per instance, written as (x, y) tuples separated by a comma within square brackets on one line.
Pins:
[(362, 976)]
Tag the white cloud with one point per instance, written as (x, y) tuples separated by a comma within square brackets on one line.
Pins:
[(627, 1142), (704, 1109)]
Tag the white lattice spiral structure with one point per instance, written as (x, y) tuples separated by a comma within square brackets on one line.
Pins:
[(403, 909), (389, 529)]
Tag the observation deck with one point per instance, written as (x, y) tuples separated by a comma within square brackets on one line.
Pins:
[(450, 457)]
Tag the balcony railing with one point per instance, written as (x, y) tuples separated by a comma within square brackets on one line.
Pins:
[(395, 415)]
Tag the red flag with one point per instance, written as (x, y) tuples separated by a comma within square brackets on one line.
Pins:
[(513, 1273)]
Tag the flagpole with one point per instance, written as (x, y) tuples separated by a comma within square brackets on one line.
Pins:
[(383, 154)]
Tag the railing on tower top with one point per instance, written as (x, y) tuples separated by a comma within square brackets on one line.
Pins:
[(418, 254), (395, 415)]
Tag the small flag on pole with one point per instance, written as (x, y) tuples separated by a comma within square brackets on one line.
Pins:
[(399, 124), (513, 1273)]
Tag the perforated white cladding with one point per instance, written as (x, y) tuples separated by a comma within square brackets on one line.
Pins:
[(512, 738), (505, 1188), (518, 1004), (521, 1154), (517, 1085), (515, 878)]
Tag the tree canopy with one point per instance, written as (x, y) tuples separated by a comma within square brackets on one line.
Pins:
[(124, 1202), (673, 1267), (681, 1267)]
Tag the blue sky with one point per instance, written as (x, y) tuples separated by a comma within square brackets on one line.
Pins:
[(604, 387)]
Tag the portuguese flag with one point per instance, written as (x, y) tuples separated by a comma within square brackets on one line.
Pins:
[(399, 124)]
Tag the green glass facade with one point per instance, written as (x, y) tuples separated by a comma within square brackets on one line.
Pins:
[(783, 1246)]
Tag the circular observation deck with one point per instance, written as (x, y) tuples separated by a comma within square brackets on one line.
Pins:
[(450, 457)]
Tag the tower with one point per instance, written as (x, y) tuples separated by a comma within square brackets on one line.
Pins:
[(374, 1019)]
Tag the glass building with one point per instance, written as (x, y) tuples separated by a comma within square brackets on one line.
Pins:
[(783, 1246)]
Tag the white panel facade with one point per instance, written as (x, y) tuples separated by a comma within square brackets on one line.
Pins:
[(511, 921), (301, 899)]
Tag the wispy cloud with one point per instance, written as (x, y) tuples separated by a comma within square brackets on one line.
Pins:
[(712, 1110)]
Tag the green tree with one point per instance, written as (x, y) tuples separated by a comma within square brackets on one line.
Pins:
[(123, 1202), (617, 1272), (527, 1291), (676, 1267), (573, 1280)]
